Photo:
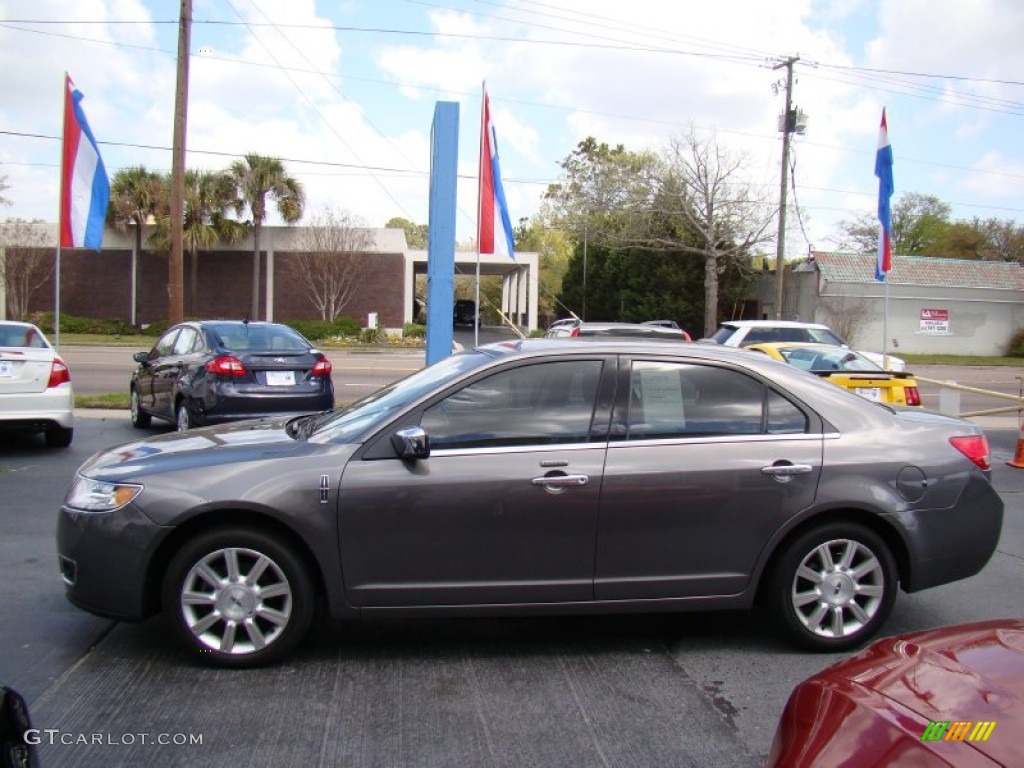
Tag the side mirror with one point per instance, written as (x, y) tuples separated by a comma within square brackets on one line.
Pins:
[(141, 357), (411, 443)]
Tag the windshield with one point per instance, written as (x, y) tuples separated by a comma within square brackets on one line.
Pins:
[(352, 423)]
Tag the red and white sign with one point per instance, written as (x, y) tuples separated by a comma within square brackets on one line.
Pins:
[(935, 322)]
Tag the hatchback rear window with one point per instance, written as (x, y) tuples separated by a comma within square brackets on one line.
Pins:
[(243, 337)]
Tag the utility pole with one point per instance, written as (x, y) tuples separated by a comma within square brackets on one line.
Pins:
[(788, 127), (175, 281)]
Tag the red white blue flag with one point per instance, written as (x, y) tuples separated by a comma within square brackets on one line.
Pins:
[(494, 229), (883, 170), (85, 188)]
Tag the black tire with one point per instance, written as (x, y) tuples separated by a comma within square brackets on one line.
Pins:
[(140, 419), (236, 623), (58, 437), (833, 587), (183, 418)]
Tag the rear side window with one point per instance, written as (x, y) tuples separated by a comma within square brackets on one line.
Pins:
[(687, 400)]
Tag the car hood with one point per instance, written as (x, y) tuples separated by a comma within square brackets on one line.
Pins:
[(970, 672), (227, 443)]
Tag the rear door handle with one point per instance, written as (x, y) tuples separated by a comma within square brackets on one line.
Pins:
[(786, 470)]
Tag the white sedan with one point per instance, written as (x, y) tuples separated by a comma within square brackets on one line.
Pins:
[(35, 385)]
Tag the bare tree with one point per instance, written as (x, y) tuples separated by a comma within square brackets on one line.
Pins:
[(847, 317), (28, 257), (332, 260), (707, 187)]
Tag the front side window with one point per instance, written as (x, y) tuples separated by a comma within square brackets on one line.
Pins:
[(537, 404), (687, 400), (165, 345), (185, 341)]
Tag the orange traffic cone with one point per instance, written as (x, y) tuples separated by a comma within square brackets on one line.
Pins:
[(1018, 455)]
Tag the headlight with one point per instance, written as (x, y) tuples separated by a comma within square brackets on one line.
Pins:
[(96, 496)]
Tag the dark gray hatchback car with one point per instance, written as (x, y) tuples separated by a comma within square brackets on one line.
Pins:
[(532, 477)]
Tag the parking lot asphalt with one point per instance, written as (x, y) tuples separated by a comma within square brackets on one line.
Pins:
[(673, 690)]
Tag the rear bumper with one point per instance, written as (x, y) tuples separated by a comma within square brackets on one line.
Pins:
[(955, 543), (38, 410)]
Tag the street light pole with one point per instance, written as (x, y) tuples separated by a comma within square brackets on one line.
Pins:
[(788, 126)]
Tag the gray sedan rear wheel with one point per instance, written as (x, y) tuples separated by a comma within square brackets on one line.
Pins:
[(238, 598), (833, 587)]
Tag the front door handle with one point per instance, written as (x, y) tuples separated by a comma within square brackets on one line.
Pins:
[(559, 483)]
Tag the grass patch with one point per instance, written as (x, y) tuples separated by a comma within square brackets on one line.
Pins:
[(110, 400), (105, 340), (959, 360)]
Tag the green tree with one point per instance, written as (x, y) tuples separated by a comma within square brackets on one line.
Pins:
[(256, 178), (136, 194), (919, 224), (984, 239), (554, 248), (209, 196), (415, 234)]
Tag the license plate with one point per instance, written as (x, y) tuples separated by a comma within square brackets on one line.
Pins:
[(6, 369), (870, 393), (281, 378)]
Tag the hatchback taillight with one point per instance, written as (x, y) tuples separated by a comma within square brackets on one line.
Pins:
[(59, 374), (322, 367), (975, 448), (226, 365), (575, 331), (912, 395)]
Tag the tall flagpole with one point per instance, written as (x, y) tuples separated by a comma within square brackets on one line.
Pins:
[(60, 215), (480, 207)]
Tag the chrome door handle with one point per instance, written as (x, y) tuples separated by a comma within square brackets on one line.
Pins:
[(787, 470), (561, 481)]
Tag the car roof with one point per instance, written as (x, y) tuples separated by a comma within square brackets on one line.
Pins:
[(771, 324)]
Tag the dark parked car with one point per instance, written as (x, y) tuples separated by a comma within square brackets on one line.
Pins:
[(212, 371), (538, 476), (464, 312), (942, 697)]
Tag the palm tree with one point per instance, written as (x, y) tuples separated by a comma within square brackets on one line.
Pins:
[(256, 177), (208, 197), (135, 195)]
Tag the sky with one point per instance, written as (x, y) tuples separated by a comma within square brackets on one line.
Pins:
[(344, 93)]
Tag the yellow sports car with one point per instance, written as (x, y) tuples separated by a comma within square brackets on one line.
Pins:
[(846, 368)]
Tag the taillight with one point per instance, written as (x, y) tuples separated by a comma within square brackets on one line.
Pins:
[(322, 367), (226, 365), (912, 395), (575, 331), (975, 448), (59, 374)]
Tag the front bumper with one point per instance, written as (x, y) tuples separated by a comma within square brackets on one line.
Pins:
[(103, 559)]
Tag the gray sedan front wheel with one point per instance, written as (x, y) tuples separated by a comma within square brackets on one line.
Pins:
[(833, 587), (238, 598)]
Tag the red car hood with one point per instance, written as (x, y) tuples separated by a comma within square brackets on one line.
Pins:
[(880, 701)]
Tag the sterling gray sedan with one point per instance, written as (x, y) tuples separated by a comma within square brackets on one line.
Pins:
[(541, 476)]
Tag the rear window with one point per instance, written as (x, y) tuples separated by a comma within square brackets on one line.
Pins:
[(251, 337)]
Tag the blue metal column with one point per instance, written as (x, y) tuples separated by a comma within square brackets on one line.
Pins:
[(444, 157)]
